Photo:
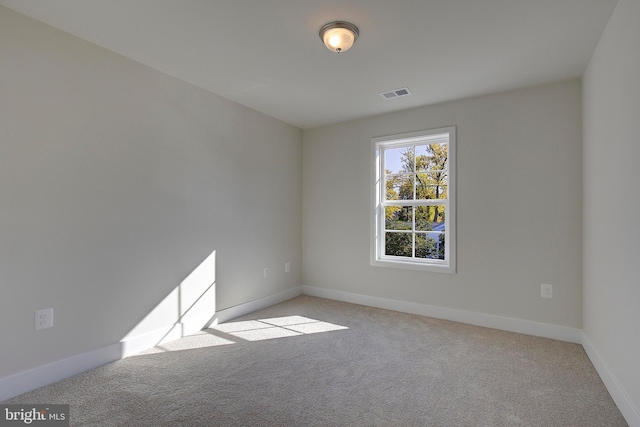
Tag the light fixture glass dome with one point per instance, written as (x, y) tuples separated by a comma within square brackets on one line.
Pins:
[(339, 36)]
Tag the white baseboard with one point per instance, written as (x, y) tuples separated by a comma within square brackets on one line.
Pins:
[(626, 406), (528, 327), (134, 345), (41, 376), (251, 306)]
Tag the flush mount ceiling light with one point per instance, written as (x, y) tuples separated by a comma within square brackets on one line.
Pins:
[(339, 36)]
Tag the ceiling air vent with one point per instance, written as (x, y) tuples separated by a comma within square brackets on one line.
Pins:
[(396, 93)]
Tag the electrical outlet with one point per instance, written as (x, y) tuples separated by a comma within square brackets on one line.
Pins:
[(266, 272), (287, 267), (546, 291), (44, 318)]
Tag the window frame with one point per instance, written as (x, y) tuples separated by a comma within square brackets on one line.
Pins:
[(378, 189)]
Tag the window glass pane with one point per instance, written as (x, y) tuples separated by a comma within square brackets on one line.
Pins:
[(431, 157), (392, 186), (395, 159), (398, 244), (398, 218), (405, 189), (399, 186), (430, 245), (422, 158), (430, 218), (431, 185), (439, 154)]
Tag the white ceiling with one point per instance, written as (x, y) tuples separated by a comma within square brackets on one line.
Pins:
[(267, 55)]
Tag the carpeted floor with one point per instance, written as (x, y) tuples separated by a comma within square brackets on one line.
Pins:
[(316, 362)]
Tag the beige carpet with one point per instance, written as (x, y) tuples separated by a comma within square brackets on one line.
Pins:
[(315, 362)]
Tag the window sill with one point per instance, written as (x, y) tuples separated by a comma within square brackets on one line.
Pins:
[(408, 265)]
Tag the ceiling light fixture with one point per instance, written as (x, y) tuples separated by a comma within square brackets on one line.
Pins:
[(339, 36)]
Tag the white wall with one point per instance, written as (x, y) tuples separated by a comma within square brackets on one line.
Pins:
[(611, 88), (519, 206), (116, 182)]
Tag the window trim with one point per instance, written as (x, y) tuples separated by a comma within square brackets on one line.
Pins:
[(377, 209)]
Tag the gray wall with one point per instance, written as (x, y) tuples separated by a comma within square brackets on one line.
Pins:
[(116, 182), (611, 87), (519, 206)]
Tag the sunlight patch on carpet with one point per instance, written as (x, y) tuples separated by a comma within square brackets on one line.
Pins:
[(277, 327), (199, 340)]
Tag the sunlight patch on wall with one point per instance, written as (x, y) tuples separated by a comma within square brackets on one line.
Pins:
[(187, 309)]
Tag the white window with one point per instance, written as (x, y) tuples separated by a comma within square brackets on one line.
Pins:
[(413, 220)]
